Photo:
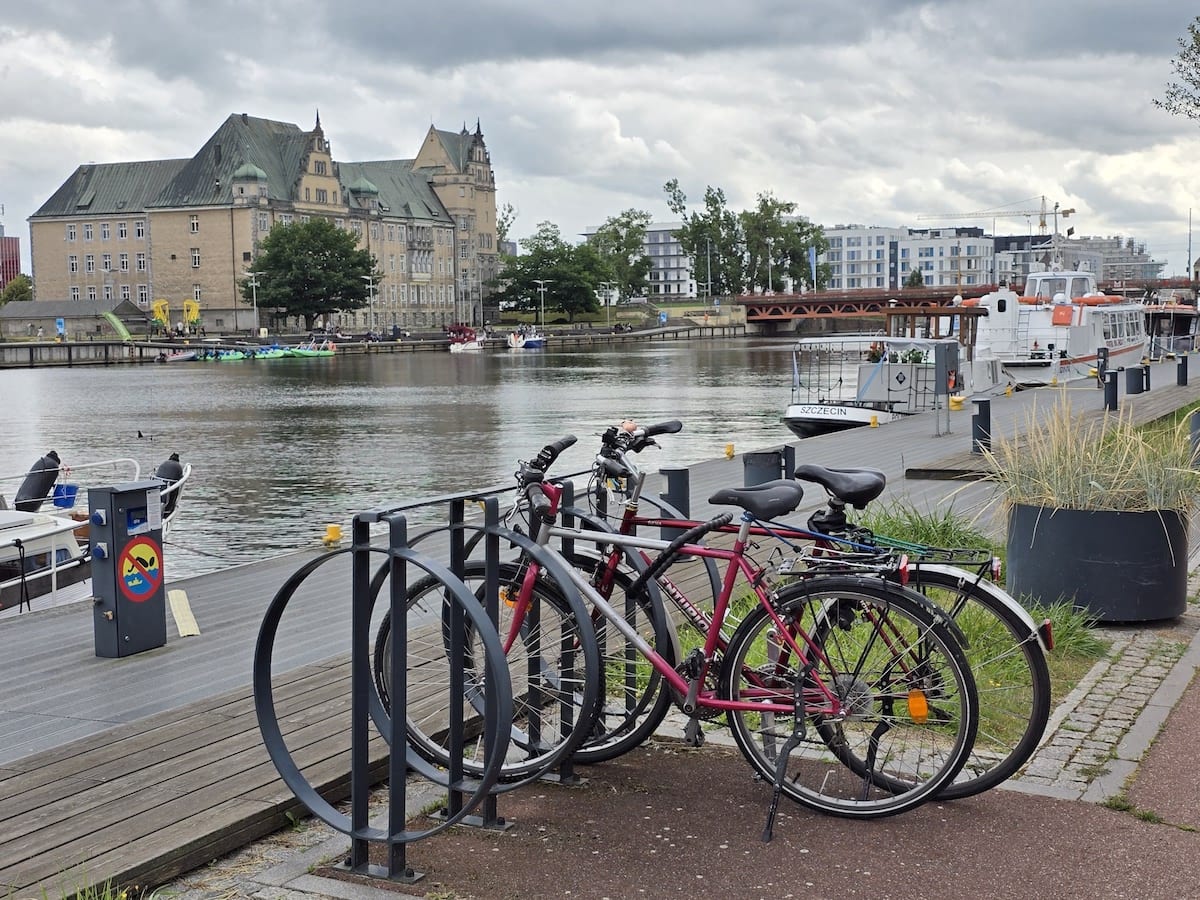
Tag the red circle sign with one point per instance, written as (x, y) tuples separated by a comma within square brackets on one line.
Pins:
[(140, 569)]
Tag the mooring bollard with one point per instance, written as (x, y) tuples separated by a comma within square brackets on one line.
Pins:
[(678, 493), (1181, 373), (1110, 391), (981, 425), (1133, 380)]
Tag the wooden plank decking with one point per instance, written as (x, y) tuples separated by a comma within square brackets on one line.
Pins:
[(141, 768)]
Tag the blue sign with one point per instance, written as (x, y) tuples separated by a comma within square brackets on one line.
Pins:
[(717, 302), (61, 325), (662, 318)]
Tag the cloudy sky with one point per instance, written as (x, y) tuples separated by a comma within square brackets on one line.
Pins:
[(872, 112)]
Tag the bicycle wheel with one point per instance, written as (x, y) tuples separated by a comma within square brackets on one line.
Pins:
[(549, 660), (636, 697), (1010, 672), (888, 704)]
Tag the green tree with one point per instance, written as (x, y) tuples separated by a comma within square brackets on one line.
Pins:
[(311, 269), (777, 248), (505, 216), (621, 244), (1182, 97), (714, 236), (19, 288), (569, 274), (915, 279)]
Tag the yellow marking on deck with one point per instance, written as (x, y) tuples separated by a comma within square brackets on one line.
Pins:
[(181, 612)]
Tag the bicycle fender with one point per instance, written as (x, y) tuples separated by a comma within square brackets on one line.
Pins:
[(993, 590)]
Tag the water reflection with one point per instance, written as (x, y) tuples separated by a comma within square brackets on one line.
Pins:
[(280, 448)]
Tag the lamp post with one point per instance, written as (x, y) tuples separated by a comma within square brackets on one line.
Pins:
[(252, 277), (370, 280), (770, 248), (541, 283), (608, 289), (708, 254)]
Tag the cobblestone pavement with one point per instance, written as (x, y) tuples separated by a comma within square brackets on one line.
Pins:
[(1094, 739)]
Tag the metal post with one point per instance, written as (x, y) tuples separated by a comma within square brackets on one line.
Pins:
[(1133, 380), (1195, 425), (981, 425), (1181, 372), (1146, 378), (1101, 360), (789, 461), (678, 494), (1110, 390)]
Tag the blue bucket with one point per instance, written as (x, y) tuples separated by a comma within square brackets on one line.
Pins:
[(65, 494)]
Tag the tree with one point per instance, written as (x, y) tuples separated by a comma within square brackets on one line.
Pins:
[(505, 216), (1183, 97), (621, 244), (915, 279), (777, 250), (714, 236), (19, 288), (569, 274), (311, 269)]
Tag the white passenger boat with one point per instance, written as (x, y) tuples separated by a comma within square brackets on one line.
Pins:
[(852, 380), (44, 549), (1060, 328)]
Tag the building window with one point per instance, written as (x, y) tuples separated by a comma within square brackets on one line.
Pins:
[(143, 294), (122, 231), (262, 221), (139, 228), (286, 218), (124, 292), (106, 262), (339, 223), (75, 293), (91, 292), (196, 292), (72, 264), (464, 250), (462, 223), (70, 232), (401, 232), (195, 257), (87, 231), (318, 167), (141, 262), (356, 227), (322, 195), (89, 263), (108, 292), (124, 262), (391, 232), (104, 231), (194, 222)]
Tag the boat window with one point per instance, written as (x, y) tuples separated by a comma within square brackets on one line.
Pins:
[(1001, 304), (1079, 287)]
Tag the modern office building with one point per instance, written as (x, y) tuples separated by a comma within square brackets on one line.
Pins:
[(190, 229), (875, 257)]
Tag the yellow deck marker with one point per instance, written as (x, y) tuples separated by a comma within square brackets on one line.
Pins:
[(181, 612)]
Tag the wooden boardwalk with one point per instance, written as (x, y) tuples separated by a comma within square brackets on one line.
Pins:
[(139, 769)]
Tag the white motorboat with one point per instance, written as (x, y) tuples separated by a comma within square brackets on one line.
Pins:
[(852, 380), (43, 551), (463, 338), (526, 338), (1060, 328)]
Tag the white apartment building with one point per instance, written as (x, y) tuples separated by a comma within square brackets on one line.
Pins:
[(871, 256)]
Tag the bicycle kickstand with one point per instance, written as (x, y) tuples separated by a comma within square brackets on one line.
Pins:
[(785, 751)]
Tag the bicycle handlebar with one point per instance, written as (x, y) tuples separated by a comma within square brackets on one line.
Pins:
[(534, 471)]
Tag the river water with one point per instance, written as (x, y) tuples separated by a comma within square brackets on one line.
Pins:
[(281, 448)]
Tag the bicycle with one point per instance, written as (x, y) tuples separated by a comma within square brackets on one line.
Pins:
[(1006, 649), (851, 695)]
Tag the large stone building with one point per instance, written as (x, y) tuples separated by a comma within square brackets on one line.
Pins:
[(190, 229), (10, 258)]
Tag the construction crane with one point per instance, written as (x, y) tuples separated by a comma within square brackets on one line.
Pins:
[(1004, 212)]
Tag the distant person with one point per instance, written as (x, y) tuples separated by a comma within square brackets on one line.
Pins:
[(41, 332)]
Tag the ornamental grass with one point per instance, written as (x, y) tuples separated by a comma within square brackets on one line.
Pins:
[(1069, 461)]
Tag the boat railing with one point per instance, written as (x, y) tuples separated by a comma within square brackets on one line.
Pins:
[(55, 541), (106, 471)]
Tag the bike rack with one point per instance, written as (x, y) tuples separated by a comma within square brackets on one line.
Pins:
[(465, 794)]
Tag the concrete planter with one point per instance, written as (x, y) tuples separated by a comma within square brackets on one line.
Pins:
[(1119, 566)]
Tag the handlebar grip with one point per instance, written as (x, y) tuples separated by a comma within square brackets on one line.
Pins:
[(548, 454), (673, 426), (668, 555)]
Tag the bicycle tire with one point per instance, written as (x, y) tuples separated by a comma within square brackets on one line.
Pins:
[(553, 667), (1011, 676), (881, 752)]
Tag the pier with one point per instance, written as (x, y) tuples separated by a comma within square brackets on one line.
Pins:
[(141, 768)]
